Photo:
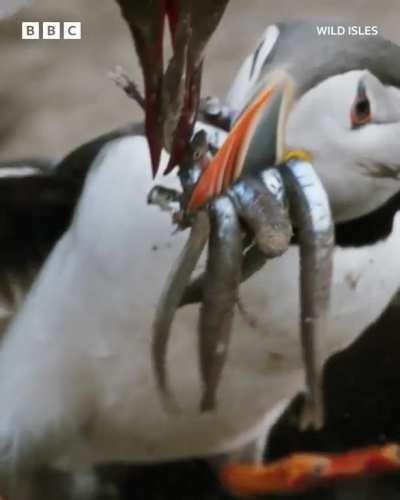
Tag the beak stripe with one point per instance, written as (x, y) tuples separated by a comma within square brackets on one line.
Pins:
[(228, 162), (222, 172)]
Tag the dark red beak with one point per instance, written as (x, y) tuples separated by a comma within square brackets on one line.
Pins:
[(171, 97), (146, 23)]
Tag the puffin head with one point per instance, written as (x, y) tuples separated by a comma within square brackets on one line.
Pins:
[(349, 126), (333, 102)]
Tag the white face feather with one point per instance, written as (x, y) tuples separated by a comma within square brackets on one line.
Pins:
[(349, 161)]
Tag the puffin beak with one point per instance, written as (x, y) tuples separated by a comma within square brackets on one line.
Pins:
[(191, 24), (256, 140), (146, 24), (172, 96)]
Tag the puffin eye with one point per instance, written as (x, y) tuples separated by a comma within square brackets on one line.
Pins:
[(361, 109)]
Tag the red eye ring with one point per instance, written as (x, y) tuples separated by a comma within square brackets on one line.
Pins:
[(361, 109)]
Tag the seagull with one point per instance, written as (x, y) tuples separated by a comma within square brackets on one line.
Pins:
[(76, 381)]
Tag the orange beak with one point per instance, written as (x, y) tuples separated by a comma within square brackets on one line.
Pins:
[(256, 137)]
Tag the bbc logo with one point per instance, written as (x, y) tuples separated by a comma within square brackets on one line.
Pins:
[(33, 30)]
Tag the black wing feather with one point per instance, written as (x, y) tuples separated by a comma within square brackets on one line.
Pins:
[(37, 201)]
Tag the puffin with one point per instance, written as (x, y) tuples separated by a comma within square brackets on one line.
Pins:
[(76, 384)]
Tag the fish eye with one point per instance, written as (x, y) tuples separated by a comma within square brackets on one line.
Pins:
[(197, 155)]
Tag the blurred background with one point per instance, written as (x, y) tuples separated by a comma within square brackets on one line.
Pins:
[(55, 94)]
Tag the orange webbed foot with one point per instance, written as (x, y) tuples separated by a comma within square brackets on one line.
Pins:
[(303, 471)]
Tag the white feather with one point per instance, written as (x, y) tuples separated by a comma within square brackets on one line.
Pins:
[(21, 171), (76, 380)]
